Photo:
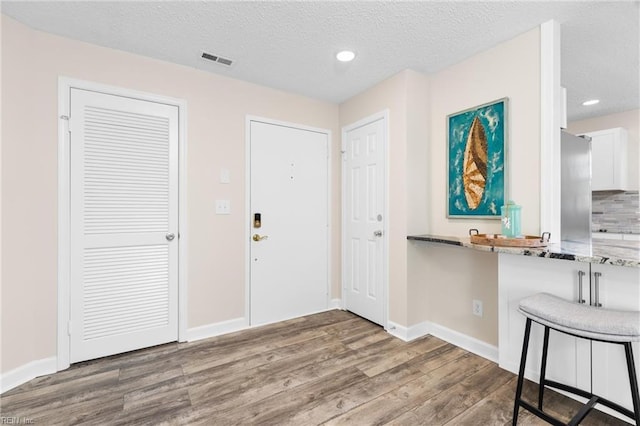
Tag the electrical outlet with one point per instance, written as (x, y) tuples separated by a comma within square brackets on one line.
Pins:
[(477, 308)]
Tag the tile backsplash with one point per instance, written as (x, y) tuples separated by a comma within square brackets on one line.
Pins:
[(616, 211)]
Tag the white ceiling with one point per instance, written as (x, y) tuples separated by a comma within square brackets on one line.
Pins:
[(291, 45)]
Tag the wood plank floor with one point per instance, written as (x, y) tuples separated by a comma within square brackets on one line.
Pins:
[(332, 368)]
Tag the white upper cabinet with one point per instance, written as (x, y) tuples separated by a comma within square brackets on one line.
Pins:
[(608, 159)]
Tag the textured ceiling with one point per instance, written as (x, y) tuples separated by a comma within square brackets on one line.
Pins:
[(291, 45)]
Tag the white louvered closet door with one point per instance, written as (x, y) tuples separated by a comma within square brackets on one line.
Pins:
[(124, 211)]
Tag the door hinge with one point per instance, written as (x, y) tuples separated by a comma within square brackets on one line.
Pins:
[(68, 120), (69, 328)]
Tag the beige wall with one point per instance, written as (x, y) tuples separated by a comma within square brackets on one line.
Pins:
[(630, 120), (431, 282), (418, 191), (1, 196), (511, 70), (450, 277), (427, 282), (217, 106)]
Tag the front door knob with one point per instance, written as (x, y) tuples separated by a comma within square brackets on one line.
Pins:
[(258, 237), (377, 233)]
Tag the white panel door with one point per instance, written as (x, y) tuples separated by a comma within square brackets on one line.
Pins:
[(364, 200), (124, 224), (289, 189)]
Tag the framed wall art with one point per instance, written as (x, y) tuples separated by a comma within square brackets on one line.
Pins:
[(476, 155)]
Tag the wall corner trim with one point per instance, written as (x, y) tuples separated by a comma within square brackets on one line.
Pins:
[(24, 373), (550, 123)]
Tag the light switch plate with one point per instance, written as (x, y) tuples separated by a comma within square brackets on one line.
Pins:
[(225, 176), (223, 207)]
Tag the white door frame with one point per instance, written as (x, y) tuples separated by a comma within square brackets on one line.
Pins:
[(384, 116), (65, 85), (247, 205)]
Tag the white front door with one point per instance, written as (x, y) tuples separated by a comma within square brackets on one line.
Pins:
[(363, 177), (124, 224), (289, 192)]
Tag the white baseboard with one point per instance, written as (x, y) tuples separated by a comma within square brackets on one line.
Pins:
[(237, 324), (463, 341), (216, 329), (24, 373)]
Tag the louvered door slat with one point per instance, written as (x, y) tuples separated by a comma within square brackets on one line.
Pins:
[(123, 204)]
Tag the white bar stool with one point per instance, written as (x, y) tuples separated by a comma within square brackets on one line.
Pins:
[(588, 322)]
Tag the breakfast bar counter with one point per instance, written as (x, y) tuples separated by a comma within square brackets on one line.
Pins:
[(600, 251), (601, 274)]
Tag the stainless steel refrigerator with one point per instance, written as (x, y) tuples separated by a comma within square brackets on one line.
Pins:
[(575, 221)]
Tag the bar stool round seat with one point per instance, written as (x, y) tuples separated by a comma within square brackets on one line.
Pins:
[(584, 321)]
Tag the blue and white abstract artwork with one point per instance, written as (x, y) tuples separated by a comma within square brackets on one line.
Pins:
[(476, 156)]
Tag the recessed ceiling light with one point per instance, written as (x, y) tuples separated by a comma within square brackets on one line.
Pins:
[(345, 56), (591, 102)]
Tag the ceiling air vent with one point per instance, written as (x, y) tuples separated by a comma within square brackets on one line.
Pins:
[(217, 59)]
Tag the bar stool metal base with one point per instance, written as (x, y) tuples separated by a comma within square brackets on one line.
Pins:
[(592, 399)]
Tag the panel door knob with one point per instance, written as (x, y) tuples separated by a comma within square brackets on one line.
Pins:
[(170, 236), (377, 233), (258, 237)]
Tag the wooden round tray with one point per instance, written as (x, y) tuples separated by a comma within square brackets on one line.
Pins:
[(502, 241)]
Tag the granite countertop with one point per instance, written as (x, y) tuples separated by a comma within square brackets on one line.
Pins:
[(616, 231), (612, 252)]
